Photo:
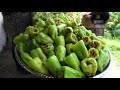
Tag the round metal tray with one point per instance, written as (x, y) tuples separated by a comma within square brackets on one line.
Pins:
[(21, 62)]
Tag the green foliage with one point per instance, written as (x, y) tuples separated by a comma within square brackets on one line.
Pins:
[(113, 44), (107, 35), (113, 20), (113, 25), (117, 26), (110, 26), (114, 47), (114, 17)]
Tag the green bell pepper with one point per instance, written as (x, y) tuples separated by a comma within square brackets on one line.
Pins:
[(50, 21), (67, 31), (89, 66), (93, 53), (50, 54), (40, 24), (71, 38), (33, 63), (26, 57), (32, 44), (68, 23), (38, 53), (103, 60), (35, 19), (105, 49), (60, 41), (45, 31), (81, 33), (37, 65), (74, 23), (58, 21), (69, 48), (95, 44), (88, 32), (92, 37), (80, 49), (21, 47), (75, 29), (53, 65), (69, 72), (32, 31), (53, 31), (23, 37), (86, 40), (48, 49), (60, 52), (43, 38), (63, 16), (73, 62), (61, 27), (101, 40)]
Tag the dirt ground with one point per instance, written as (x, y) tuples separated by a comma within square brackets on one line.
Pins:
[(114, 71)]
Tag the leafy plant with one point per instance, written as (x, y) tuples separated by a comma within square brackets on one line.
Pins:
[(113, 20), (117, 27), (113, 24)]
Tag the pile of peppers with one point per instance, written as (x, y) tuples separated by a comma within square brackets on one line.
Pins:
[(57, 46)]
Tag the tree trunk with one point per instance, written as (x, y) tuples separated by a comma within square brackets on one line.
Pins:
[(95, 21)]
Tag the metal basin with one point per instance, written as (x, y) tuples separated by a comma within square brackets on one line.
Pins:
[(21, 62)]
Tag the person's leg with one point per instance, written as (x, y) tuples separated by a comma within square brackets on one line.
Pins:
[(14, 24), (2, 35)]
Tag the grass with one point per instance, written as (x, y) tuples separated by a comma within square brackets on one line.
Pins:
[(114, 46)]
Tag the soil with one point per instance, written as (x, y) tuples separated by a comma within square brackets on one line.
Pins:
[(114, 72)]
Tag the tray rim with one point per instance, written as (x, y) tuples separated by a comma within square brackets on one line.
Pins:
[(22, 64)]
